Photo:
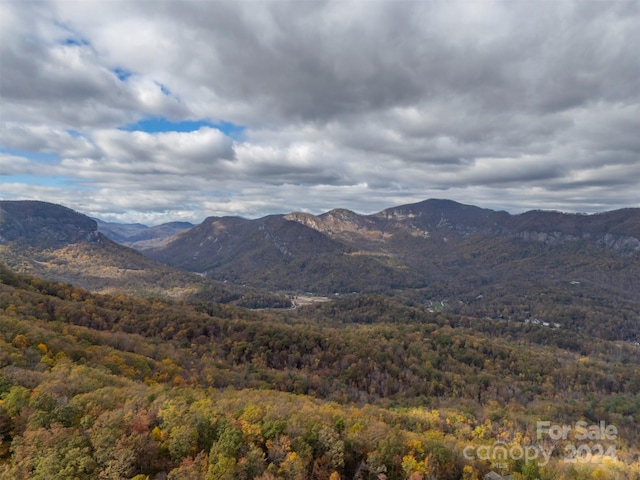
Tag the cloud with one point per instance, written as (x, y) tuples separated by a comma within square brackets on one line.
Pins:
[(52, 73), (15, 165), (45, 139), (354, 104)]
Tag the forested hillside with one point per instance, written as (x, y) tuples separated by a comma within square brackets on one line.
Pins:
[(581, 272), (100, 386), (54, 242)]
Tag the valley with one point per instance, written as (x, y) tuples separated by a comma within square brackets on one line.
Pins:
[(417, 335)]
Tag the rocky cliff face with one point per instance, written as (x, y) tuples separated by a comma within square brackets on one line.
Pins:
[(341, 223)]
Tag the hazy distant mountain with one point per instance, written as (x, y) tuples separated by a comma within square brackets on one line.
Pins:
[(57, 243), (139, 236), (119, 232)]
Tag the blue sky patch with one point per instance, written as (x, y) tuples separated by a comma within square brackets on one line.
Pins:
[(45, 181), (122, 74), (75, 41), (161, 124), (75, 133)]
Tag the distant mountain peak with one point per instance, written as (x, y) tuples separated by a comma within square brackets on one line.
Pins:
[(341, 213), (432, 206)]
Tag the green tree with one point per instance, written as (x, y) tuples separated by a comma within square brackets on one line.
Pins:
[(60, 453), (15, 399)]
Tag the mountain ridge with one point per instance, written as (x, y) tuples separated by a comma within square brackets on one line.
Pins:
[(437, 214), (57, 243), (539, 265)]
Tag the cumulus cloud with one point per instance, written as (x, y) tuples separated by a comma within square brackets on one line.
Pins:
[(354, 104)]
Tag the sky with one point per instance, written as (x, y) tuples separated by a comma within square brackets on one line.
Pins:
[(154, 111)]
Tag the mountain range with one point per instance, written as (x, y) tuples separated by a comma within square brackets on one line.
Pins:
[(440, 254), (443, 328), (582, 271), (406, 246)]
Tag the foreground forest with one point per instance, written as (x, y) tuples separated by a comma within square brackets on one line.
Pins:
[(114, 387)]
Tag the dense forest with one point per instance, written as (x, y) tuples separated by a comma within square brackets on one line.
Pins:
[(115, 387)]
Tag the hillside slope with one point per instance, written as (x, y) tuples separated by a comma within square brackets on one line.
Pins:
[(57, 243), (100, 386), (277, 254)]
